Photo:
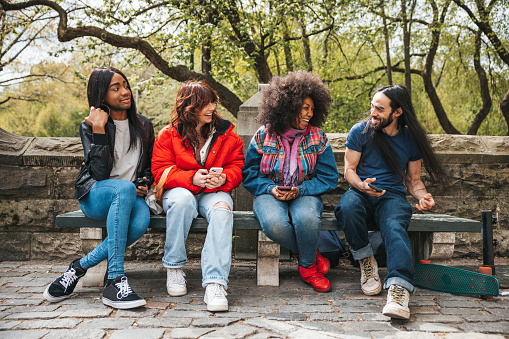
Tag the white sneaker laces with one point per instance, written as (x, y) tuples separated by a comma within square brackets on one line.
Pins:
[(216, 291), (177, 276), (123, 288), (68, 277)]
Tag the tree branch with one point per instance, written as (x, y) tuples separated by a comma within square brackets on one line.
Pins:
[(179, 72)]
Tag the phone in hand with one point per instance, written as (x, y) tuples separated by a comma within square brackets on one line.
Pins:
[(284, 188), (141, 182), (215, 171), (376, 188)]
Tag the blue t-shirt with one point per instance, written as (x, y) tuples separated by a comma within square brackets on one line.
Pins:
[(372, 164)]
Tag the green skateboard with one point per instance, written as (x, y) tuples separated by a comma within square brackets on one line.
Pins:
[(454, 280)]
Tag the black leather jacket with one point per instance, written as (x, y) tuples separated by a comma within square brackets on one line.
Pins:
[(98, 150)]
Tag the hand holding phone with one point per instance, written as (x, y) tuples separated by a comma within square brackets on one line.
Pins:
[(376, 188), (141, 182), (215, 171), (284, 188)]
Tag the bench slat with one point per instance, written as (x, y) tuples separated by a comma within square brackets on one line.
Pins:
[(246, 220)]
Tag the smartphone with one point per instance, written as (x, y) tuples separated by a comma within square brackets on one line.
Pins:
[(284, 188), (376, 188), (141, 182), (215, 171)]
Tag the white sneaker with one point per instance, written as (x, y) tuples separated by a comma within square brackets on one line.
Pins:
[(397, 303), (370, 281), (215, 298), (176, 282)]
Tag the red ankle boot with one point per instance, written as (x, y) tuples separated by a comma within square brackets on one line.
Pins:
[(322, 263), (315, 278)]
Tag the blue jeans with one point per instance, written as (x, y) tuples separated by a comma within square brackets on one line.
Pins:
[(294, 224), (127, 218), (391, 214), (181, 208)]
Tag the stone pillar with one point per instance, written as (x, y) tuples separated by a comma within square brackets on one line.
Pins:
[(246, 243), (246, 240), (90, 239), (267, 268), (443, 245)]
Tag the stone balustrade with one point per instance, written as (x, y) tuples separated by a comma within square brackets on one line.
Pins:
[(37, 183)]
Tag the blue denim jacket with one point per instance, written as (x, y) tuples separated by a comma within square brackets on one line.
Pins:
[(319, 180)]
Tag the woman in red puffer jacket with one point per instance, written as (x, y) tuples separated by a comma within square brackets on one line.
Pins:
[(196, 141)]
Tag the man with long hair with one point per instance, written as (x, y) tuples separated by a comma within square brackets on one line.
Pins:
[(383, 155), (115, 173)]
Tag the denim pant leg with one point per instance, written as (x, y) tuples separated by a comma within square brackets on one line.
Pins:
[(305, 213), (115, 201), (274, 218), (216, 256), (353, 212), (393, 214), (181, 208), (138, 224)]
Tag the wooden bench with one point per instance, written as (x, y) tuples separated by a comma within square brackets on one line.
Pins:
[(420, 231)]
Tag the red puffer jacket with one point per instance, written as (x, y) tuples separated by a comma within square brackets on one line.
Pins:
[(225, 151)]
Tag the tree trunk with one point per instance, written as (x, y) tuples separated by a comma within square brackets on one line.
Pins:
[(485, 89), (305, 44), (387, 48), (406, 48), (504, 107), (428, 71), (205, 58), (287, 50)]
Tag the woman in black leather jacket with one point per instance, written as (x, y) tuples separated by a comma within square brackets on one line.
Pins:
[(112, 184)]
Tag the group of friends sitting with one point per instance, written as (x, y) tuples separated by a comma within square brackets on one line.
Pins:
[(288, 166)]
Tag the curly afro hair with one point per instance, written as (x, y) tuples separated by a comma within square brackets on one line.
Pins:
[(283, 99)]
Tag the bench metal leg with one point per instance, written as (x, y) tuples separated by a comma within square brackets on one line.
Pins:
[(487, 240), (90, 239), (267, 263), (422, 245)]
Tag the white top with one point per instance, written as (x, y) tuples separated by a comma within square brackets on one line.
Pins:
[(204, 151), (124, 162)]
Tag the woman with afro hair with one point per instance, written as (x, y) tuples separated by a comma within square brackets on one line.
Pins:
[(289, 165)]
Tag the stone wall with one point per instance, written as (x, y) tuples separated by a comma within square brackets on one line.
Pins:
[(37, 183)]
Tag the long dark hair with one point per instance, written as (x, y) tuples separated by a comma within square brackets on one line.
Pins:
[(98, 85), (283, 99), (192, 97), (400, 98)]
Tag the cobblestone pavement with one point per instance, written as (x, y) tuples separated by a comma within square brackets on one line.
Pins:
[(292, 310)]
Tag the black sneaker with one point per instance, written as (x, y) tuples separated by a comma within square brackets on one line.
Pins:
[(118, 294), (64, 285)]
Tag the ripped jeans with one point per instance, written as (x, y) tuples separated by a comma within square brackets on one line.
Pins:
[(181, 208)]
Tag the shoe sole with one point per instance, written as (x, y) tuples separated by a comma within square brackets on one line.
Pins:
[(175, 293), (124, 304), (215, 308), (51, 298), (396, 313), (374, 292), (323, 290)]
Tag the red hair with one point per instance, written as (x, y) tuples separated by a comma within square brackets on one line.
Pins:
[(192, 97)]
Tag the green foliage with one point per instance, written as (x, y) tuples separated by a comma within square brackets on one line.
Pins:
[(346, 44)]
